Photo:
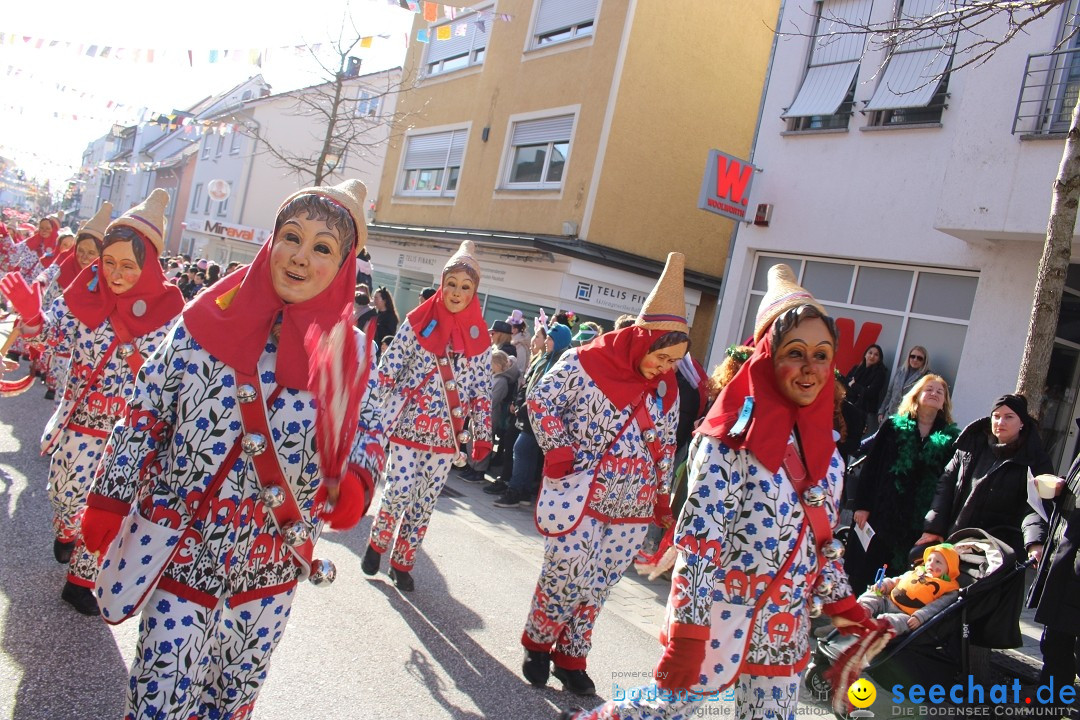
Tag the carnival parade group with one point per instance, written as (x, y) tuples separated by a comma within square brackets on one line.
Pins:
[(198, 450)]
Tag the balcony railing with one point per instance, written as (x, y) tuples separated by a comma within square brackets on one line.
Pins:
[(1051, 86)]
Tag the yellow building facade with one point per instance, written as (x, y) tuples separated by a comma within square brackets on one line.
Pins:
[(568, 139)]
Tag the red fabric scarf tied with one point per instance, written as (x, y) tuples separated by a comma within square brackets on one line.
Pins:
[(232, 320), (44, 244), (437, 328), (48, 261), (774, 416), (149, 304), (612, 361), (69, 268)]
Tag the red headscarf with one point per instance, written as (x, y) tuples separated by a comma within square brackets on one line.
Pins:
[(44, 244), (437, 328), (232, 320), (149, 304), (773, 417), (612, 362), (49, 260), (69, 268)]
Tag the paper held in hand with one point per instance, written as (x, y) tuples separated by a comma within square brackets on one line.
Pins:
[(865, 534), (1033, 499)]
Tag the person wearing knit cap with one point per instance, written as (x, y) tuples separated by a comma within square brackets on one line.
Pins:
[(605, 417), (68, 265), (432, 397), (985, 485), (113, 315), (756, 558), (223, 448)]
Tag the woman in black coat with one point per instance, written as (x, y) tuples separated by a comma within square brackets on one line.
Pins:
[(900, 477), (1055, 594), (865, 382), (985, 486), (386, 322)]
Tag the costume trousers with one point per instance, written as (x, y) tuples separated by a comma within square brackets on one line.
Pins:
[(414, 479), (71, 469), (198, 662), (752, 697), (579, 570)]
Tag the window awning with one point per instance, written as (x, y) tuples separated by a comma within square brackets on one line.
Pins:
[(834, 58), (823, 90), (911, 79)]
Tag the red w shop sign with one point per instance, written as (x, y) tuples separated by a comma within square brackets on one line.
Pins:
[(725, 189)]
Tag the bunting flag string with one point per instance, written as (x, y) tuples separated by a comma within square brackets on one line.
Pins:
[(250, 56), (480, 19)]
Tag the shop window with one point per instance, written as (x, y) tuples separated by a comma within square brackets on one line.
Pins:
[(828, 281), (883, 288), (948, 295)]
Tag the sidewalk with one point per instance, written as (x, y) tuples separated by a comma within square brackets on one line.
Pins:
[(641, 601)]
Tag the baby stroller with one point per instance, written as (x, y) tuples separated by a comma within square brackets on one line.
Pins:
[(938, 649)]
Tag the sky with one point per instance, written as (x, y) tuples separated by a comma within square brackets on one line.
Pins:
[(46, 82)]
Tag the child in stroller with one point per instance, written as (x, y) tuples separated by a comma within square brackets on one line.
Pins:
[(911, 599), (938, 648)]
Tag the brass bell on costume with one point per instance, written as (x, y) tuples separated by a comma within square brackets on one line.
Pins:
[(817, 606), (443, 361), (125, 350), (246, 393), (457, 412), (833, 550), (649, 435), (464, 437), (323, 572), (814, 496), (824, 586), (665, 463), (253, 443), (272, 497), (460, 460), (451, 385), (295, 533)]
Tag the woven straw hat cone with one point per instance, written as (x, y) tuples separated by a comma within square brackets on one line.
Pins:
[(465, 255), (782, 293), (665, 308), (349, 195), (147, 218), (96, 225)]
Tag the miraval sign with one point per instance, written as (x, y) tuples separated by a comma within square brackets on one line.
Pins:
[(236, 232)]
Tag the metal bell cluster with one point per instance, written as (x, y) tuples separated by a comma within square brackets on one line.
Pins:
[(295, 533)]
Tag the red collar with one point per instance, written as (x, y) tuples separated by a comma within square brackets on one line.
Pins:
[(438, 330), (612, 362)]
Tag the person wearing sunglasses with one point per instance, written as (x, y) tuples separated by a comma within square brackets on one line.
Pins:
[(916, 365)]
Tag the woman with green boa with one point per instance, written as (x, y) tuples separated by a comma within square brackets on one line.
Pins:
[(900, 476)]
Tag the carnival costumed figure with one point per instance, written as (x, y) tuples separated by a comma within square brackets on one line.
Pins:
[(114, 314), (86, 250), (27, 258), (605, 416), (222, 453), (41, 354), (757, 559), (432, 396)]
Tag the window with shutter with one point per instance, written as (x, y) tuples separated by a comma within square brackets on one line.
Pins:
[(432, 163), (538, 152), (561, 20), (459, 43)]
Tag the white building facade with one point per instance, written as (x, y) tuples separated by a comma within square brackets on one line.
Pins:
[(232, 228), (913, 201)]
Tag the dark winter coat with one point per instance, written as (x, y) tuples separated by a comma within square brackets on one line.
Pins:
[(1055, 594), (386, 325), (985, 489), (896, 502), (869, 382), (985, 486)]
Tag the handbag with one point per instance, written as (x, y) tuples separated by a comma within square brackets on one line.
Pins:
[(135, 561)]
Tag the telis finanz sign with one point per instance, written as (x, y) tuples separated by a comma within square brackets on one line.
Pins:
[(726, 187)]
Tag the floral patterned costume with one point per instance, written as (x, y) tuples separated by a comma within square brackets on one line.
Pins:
[(410, 408)]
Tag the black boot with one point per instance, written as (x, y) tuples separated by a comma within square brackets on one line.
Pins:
[(402, 579), (496, 488), (80, 598), (50, 394), (576, 681), (537, 667), (62, 551), (370, 564)]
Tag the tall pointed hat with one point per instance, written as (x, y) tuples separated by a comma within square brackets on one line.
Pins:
[(96, 225), (665, 308), (782, 293), (464, 257), (148, 218)]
